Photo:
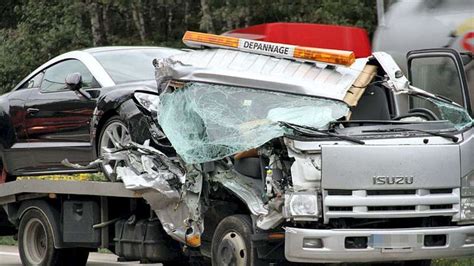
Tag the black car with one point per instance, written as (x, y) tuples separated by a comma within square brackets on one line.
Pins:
[(43, 120)]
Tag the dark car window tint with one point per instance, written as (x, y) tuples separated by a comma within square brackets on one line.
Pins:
[(55, 75)]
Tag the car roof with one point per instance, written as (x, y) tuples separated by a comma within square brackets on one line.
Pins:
[(237, 68), (93, 50)]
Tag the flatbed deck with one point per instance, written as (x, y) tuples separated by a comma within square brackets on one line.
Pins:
[(13, 191)]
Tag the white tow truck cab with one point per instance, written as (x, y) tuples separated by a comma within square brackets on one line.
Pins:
[(281, 153)]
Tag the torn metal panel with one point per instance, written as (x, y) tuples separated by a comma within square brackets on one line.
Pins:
[(245, 188), (249, 191), (207, 122), (236, 68), (172, 192), (274, 216), (180, 217)]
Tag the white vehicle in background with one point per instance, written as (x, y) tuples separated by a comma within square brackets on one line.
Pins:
[(418, 24)]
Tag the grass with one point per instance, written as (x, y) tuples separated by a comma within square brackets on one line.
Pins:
[(453, 262), (7, 241)]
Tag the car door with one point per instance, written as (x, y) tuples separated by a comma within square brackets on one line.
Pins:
[(443, 72), (58, 119), (13, 137)]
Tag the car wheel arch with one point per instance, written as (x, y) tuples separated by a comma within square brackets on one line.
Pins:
[(100, 126)]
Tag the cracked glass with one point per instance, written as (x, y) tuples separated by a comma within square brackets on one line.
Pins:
[(206, 122)]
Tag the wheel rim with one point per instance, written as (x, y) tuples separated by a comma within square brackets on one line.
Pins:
[(114, 138), (232, 250), (35, 241)]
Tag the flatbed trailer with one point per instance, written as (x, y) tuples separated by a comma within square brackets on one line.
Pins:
[(20, 190), (78, 217)]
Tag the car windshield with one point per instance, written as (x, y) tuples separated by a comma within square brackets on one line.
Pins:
[(128, 65), (206, 122), (439, 109)]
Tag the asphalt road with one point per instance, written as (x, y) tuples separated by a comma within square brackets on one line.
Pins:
[(9, 256)]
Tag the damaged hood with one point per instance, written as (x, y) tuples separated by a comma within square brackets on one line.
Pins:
[(236, 68)]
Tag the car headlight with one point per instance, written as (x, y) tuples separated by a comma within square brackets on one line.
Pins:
[(301, 204), (467, 197), (147, 102)]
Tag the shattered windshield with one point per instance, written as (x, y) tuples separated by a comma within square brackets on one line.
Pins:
[(207, 122), (442, 110)]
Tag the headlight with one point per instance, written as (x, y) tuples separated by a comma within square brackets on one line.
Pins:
[(467, 197), (301, 204), (147, 102)]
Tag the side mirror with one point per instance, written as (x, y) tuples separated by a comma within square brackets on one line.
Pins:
[(73, 81)]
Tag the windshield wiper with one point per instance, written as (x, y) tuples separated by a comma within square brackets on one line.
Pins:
[(443, 135), (301, 129)]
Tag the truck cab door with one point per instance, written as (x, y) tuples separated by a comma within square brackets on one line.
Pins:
[(441, 71)]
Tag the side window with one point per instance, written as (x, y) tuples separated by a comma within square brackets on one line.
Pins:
[(438, 75), (55, 76), (34, 82)]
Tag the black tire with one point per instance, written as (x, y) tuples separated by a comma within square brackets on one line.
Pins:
[(107, 168), (36, 246), (231, 244)]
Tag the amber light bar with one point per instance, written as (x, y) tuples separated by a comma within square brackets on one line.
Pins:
[(330, 56)]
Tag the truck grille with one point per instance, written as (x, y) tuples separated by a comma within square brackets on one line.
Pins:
[(390, 203)]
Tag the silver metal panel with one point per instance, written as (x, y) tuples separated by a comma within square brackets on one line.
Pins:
[(353, 167), (467, 152), (237, 68), (399, 200), (422, 203), (334, 250), (316, 145), (106, 189)]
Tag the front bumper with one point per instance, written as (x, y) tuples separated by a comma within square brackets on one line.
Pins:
[(403, 244)]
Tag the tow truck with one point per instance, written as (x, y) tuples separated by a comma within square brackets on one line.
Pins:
[(281, 153)]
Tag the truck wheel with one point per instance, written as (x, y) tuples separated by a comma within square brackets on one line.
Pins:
[(114, 134), (35, 240), (231, 244)]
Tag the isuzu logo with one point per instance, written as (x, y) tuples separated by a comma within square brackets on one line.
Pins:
[(392, 180)]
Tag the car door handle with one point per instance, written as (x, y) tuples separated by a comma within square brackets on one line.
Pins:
[(32, 110)]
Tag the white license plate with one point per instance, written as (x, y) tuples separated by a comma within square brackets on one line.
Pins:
[(395, 241)]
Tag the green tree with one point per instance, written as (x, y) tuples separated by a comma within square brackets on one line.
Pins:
[(33, 31), (46, 28)]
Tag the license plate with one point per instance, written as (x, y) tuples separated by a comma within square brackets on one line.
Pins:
[(395, 241)]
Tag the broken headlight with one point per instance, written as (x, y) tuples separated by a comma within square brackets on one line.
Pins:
[(148, 102), (467, 197), (301, 205)]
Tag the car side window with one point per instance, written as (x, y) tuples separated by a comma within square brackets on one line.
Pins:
[(55, 76), (33, 82)]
